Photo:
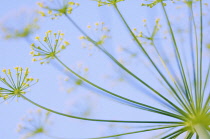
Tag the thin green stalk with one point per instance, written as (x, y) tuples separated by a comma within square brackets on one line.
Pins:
[(172, 78), (142, 48), (177, 52), (189, 135), (11, 81), (98, 120), (205, 83), (174, 134), (156, 92), (192, 48), (177, 134), (197, 96), (201, 51), (178, 86), (125, 69), (145, 107), (202, 131), (206, 106), (162, 133), (20, 78), (6, 83), (128, 133), (197, 137)]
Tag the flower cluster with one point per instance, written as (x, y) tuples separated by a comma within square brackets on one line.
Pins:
[(72, 82), (100, 30), (107, 2), (149, 36), (33, 124), (52, 44), (155, 2), (65, 8), (19, 25), (81, 104), (15, 88)]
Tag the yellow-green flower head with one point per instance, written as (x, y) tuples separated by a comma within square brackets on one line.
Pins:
[(155, 2), (148, 36), (19, 25), (49, 47), (107, 2), (35, 123), (15, 86), (54, 10), (100, 30)]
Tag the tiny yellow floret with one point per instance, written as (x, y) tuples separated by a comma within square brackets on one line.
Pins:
[(62, 47), (96, 23), (40, 4), (16, 68), (66, 43), (71, 3), (4, 70), (37, 38), (34, 59), (82, 37)]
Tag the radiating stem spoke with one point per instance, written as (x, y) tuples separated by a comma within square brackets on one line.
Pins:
[(99, 120)]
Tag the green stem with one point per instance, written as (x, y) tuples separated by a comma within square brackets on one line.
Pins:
[(191, 27), (128, 71), (98, 120), (170, 75), (189, 135), (178, 57), (197, 96), (142, 106), (128, 133), (202, 131), (201, 53), (154, 65), (174, 134)]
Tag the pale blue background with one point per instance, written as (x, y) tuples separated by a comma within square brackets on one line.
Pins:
[(48, 91)]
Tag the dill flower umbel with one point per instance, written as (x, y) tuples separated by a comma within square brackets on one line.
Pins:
[(98, 29), (107, 2), (152, 4), (15, 87), (19, 25), (54, 11), (151, 33), (51, 45), (35, 123)]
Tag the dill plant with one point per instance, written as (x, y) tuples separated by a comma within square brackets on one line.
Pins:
[(185, 78)]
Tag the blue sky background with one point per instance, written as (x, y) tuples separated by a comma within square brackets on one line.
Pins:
[(51, 89)]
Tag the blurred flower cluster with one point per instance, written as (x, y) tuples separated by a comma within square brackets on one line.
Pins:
[(35, 123), (21, 24)]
